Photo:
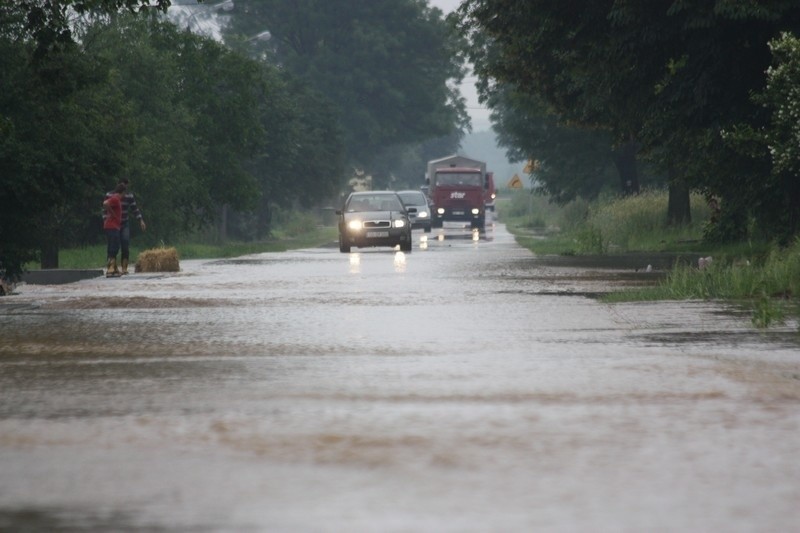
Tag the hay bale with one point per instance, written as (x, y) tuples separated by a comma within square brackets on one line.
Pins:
[(158, 260)]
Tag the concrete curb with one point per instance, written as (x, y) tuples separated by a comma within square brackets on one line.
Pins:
[(59, 276)]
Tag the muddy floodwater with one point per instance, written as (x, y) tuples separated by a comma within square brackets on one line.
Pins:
[(467, 386)]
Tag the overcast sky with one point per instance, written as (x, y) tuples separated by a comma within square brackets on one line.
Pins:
[(480, 116)]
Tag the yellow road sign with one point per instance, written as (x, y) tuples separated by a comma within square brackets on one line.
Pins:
[(515, 183)]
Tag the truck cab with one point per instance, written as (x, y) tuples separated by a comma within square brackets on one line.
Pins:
[(458, 195)]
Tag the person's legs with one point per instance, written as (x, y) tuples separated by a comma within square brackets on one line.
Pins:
[(113, 240), (125, 243)]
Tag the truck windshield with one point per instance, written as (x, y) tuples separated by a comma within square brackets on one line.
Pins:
[(459, 178)]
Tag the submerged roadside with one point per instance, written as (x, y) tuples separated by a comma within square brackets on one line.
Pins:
[(762, 278)]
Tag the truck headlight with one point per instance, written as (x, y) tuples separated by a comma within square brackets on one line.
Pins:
[(440, 210), (475, 210), (355, 225)]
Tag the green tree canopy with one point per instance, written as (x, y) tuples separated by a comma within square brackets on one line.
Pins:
[(389, 65), (194, 124), (670, 75)]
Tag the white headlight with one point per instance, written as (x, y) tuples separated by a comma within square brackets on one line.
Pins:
[(355, 225), (399, 223), (440, 210), (475, 210), (422, 214)]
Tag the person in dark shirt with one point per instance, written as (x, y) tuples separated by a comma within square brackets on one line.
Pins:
[(129, 207)]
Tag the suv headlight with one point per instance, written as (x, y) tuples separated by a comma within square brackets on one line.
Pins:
[(399, 223), (355, 225), (422, 214)]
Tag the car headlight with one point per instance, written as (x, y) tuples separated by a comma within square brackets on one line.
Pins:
[(355, 225), (440, 210), (399, 223), (475, 210), (494, 196), (422, 214)]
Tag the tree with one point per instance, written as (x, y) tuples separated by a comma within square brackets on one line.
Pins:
[(670, 76), (59, 127), (385, 64), (573, 161), (48, 22), (60, 139), (774, 184), (568, 84), (192, 101)]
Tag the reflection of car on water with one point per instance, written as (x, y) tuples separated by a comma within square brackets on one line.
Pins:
[(417, 199), (374, 218)]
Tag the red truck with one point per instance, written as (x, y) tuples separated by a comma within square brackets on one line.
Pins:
[(458, 188)]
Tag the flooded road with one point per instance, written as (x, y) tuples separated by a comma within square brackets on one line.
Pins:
[(466, 386)]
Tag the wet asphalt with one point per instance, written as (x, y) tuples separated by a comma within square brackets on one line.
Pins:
[(465, 386)]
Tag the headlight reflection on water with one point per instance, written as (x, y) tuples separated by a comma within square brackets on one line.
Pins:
[(399, 262), (355, 263), (423, 242), (476, 234)]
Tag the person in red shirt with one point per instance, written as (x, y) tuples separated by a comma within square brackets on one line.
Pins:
[(112, 222)]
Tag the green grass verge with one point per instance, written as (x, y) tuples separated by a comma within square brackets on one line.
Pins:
[(759, 276), (94, 256)]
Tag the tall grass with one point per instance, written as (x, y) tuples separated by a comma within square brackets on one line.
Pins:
[(770, 287), (640, 222), (613, 224), (526, 210)]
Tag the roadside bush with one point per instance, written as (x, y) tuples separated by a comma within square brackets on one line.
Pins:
[(574, 215), (526, 209), (291, 223), (639, 222), (770, 287)]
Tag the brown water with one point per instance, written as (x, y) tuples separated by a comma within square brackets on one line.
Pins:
[(466, 386)]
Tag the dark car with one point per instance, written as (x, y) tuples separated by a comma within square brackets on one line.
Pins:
[(374, 218), (418, 200)]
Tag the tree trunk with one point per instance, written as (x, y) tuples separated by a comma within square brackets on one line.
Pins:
[(678, 207), (794, 215), (223, 224), (625, 160), (264, 220), (49, 255)]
